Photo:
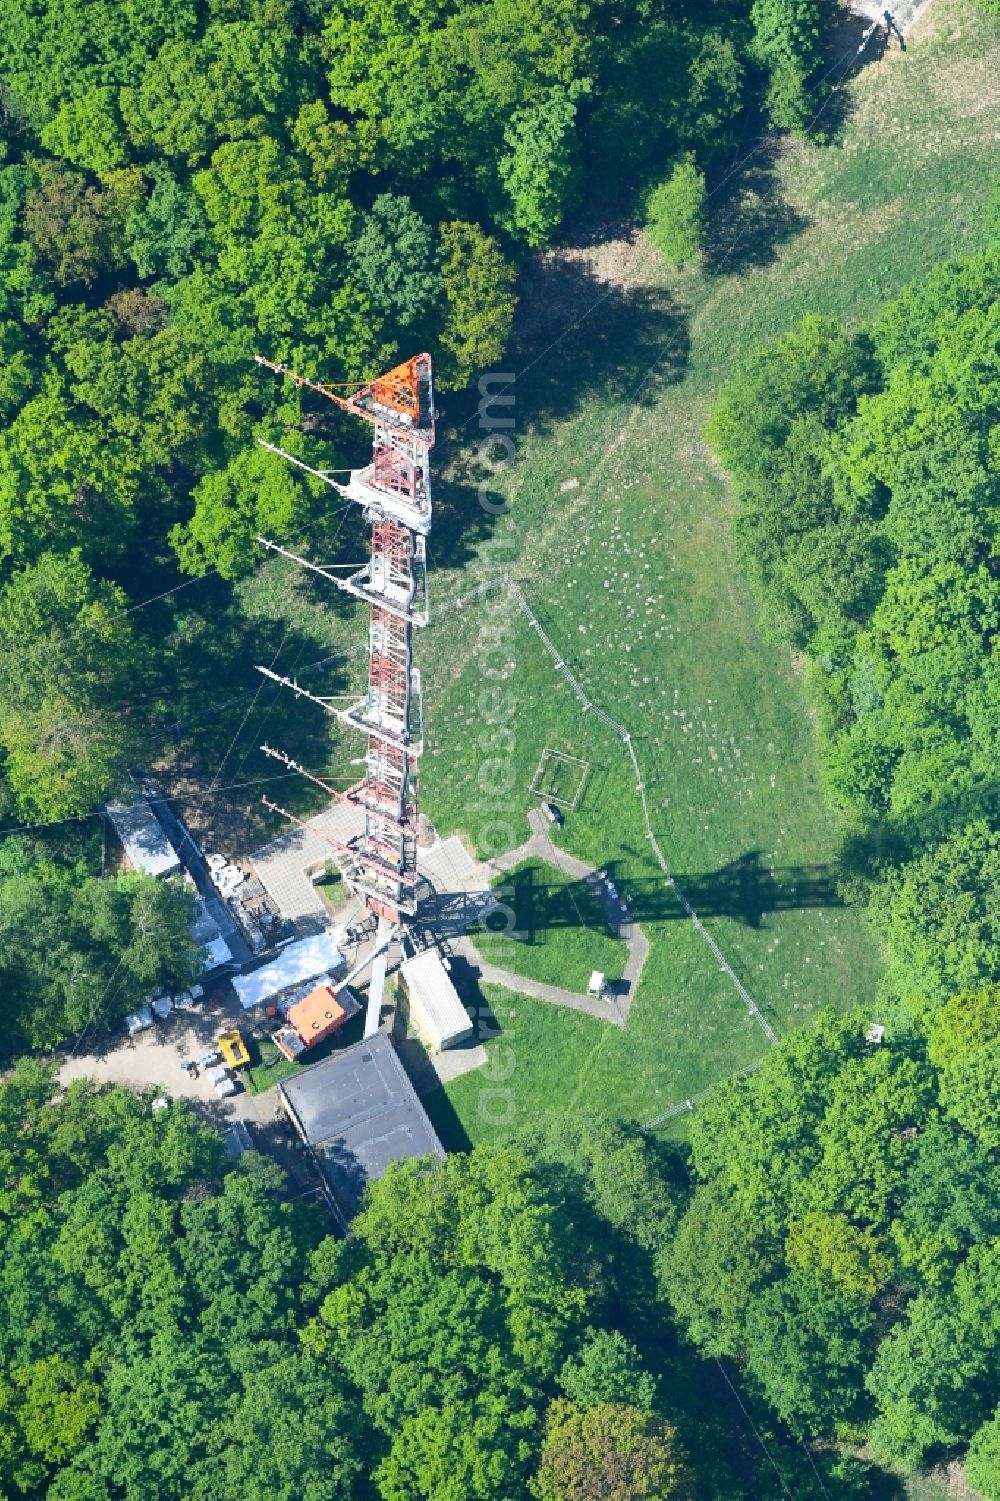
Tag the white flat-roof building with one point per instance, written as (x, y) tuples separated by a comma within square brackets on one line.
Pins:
[(435, 1008), (143, 838), (300, 961)]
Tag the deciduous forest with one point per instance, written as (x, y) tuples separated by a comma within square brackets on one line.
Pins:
[(328, 183), (556, 1319), (867, 468), (798, 1293)]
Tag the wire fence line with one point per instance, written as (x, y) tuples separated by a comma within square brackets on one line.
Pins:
[(625, 736), (674, 1110), (684, 1105)]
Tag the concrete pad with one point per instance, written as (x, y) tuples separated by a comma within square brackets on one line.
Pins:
[(448, 866), (904, 12), (455, 1062), (152, 1060), (283, 866)]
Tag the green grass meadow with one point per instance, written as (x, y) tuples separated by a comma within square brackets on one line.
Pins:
[(560, 935), (619, 529)]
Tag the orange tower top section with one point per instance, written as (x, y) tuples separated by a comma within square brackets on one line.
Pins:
[(403, 397)]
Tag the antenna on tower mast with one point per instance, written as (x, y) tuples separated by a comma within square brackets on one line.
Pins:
[(380, 866)]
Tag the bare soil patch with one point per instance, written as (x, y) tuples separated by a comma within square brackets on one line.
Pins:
[(228, 821)]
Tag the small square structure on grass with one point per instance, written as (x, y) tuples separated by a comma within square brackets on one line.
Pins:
[(358, 1112), (560, 778), (433, 1002)]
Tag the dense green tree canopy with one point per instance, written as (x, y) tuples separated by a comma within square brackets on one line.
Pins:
[(608, 1452), (866, 467), (675, 210), (335, 186), (504, 1324), (76, 950), (841, 1241), (66, 655), (176, 1327)]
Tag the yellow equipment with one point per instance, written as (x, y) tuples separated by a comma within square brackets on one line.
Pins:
[(233, 1048)]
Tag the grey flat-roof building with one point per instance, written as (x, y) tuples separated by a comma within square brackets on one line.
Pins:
[(358, 1112)]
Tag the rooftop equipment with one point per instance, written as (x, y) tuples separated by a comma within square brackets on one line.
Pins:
[(314, 1018)]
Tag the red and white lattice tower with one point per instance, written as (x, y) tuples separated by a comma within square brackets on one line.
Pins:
[(380, 865)]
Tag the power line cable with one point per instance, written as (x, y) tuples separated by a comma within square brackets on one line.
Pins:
[(725, 1374), (179, 797), (277, 690), (849, 55), (59, 647), (361, 649)]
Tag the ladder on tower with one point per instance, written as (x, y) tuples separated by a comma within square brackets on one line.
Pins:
[(376, 985)]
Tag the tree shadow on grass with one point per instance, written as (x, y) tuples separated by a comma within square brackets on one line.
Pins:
[(577, 334), (466, 506), (751, 219), (580, 336), (203, 725), (844, 62)]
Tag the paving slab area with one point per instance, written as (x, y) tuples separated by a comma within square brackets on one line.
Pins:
[(461, 893), (153, 1058), (283, 867)]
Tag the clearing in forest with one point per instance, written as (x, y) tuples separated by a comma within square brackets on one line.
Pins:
[(631, 571)]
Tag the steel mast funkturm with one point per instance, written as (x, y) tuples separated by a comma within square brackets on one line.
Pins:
[(380, 865)]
